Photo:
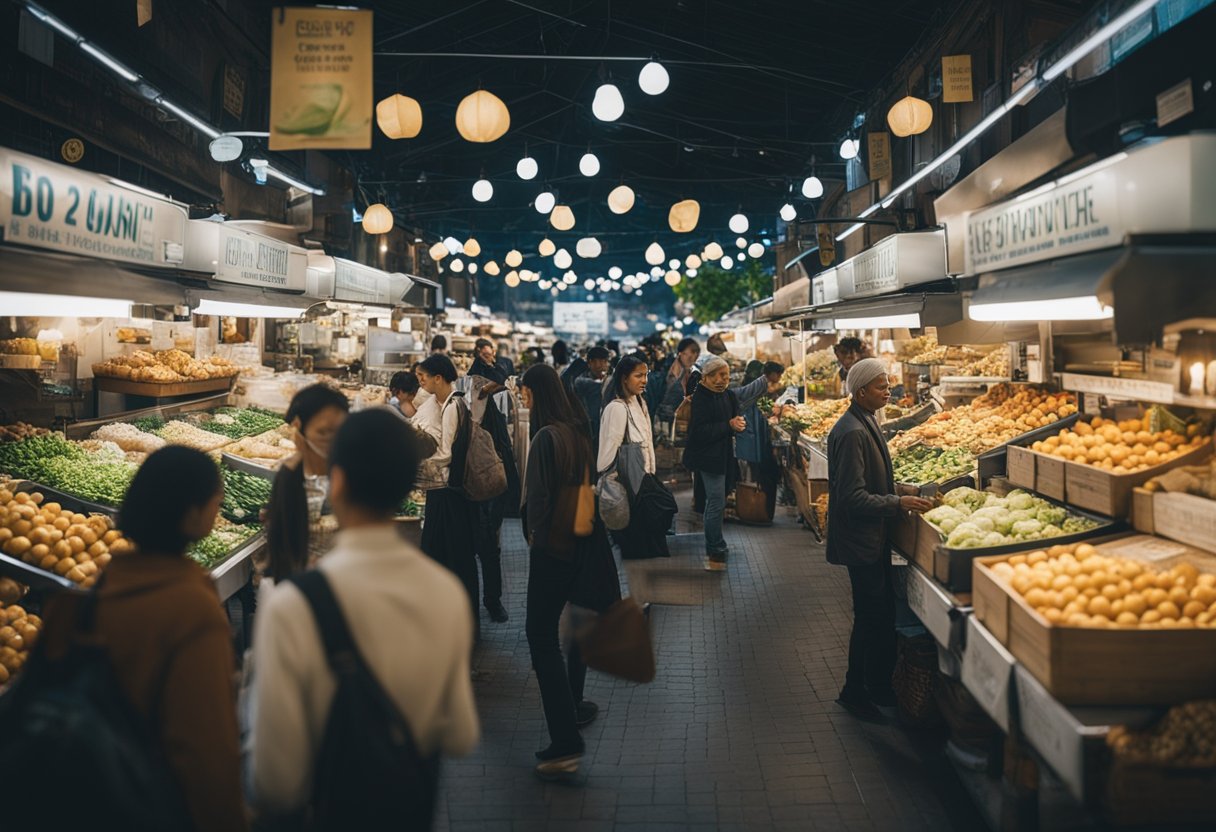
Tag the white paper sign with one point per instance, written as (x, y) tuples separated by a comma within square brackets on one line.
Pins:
[(580, 318), (1132, 389), (56, 207), (236, 255)]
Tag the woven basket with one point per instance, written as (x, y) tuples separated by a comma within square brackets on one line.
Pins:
[(915, 679)]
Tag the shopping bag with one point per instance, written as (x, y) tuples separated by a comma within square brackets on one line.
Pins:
[(618, 643), (613, 501)]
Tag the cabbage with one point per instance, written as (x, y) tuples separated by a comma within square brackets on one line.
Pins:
[(1019, 500), (963, 533), (994, 539), (984, 524), (937, 515), (994, 501), (965, 499), (1027, 528), (1050, 515), (1022, 514)]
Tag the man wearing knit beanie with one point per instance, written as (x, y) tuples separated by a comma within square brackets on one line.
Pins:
[(861, 501)]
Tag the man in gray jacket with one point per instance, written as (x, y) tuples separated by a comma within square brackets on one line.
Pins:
[(861, 499)]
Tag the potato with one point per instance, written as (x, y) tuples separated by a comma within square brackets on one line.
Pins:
[(52, 509), (21, 527), (36, 498), (77, 543), (62, 523), (6, 534), (18, 546), (21, 498), (64, 566), (4, 674), (6, 634), (75, 575), (40, 535), (10, 591), (102, 560), (62, 549), (98, 548), (110, 536), (122, 546), (89, 581), (40, 551), (50, 562), (79, 519), (88, 536)]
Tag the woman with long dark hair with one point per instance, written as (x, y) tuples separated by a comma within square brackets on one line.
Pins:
[(297, 527), (570, 559), (166, 635), (625, 418)]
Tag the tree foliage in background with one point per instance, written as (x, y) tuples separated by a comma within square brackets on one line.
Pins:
[(716, 291)]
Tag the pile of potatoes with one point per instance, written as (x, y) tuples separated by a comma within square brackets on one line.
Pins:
[(18, 632), (47, 536), (1120, 447)]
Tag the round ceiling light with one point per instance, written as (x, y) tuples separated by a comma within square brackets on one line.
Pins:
[(692, 261), (620, 200), (471, 247), (512, 279), (653, 79), (738, 224), (909, 116), (672, 278), (472, 268), (513, 258), (546, 248), (713, 251), (589, 165), (492, 268), (755, 250), (849, 148), (608, 104), (740, 242), (655, 255), (562, 218), (562, 259), (788, 212), (588, 284), (483, 191), (588, 248), (438, 252), (453, 245), (544, 202), (457, 265), (683, 216), (399, 117), (377, 219), (482, 117), (812, 188), (615, 272), (526, 168), (727, 262)]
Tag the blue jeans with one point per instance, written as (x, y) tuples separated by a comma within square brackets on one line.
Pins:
[(715, 504)]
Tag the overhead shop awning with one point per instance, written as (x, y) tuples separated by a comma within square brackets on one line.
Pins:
[(345, 280), (213, 298), (1144, 287), (52, 281), (910, 311)]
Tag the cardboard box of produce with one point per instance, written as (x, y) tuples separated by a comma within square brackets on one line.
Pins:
[(1103, 664)]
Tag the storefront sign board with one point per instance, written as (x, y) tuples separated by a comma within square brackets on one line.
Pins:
[(580, 318), (893, 263), (235, 255), (956, 79)]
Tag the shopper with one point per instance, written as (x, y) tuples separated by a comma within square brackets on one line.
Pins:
[(561, 354), (491, 379), (403, 388), (563, 558), (167, 636), (861, 500), (450, 521), (409, 620), (299, 528), (678, 373), (504, 361), (848, 352), (714, 422), (439, 345), (588, 388), (625, 418)]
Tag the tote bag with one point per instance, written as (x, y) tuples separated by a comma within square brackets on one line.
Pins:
[(620, 482)]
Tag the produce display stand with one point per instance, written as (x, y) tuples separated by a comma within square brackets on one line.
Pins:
[(248, 466), (155, 392), (83, 429), (234, 572), (992, 462)]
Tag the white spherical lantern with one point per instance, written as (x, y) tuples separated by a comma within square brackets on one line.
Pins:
[(562, 259), (483, 191), (399, 117), (545, 201), (812, 188), (741, 256), (545, 285), (788, 212), (588, 248), (588, 284), (492, 268), (561, 217), (570, 277), (513, 258), (546, 248), (438, 252), (608, 105), (526, 168), (738, 224), (653, 79), (756, 250), (656, 272), (690, 272), (726, 262), (673, 263), (655, 255), (453, 245), (620, 200), (457, 265), (672, 278), (482, 117), (849, 148), (692, 261), (471, 247), (615, 272), (713, 251), (589, 165), (740, 242), (512, 279), (377, 219)]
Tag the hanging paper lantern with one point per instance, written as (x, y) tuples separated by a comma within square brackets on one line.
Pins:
[(562, 259), (526, 168), (570, 277), (656, 273), (849, 148), (453, 245), (513, 258), (672, 278), (472, 248), (588, 284), (546, 247), (788, 212), (684, 215), (377, 219), (399, 117), (472, 268), (492, 268), (740, 242), (653, 79), (713, 251), (727, 263), (620, 200), (512, 279), (482, 117), (608, 104), (562, 218), (483, 191), (909, 116), (692, 261), (812, 188), (690, 272), (545, 285), (655, 255), (438, 252), (545, 201), (588, 248), (589, 165), (456, 265), (755, 250), (738, 223)]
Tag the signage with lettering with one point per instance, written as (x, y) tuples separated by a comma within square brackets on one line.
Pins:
[(896, 262), (880, 154), (358, 283), (580, 318), (235, 255), (824, 288), (956, 79), (52, 206), (321, 79)]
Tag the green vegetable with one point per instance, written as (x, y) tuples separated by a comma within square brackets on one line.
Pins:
[(920, 465), (149, 424), (244, 496), (972, 519), (57, 463), (220, 543), (765, 404), (238, 422)]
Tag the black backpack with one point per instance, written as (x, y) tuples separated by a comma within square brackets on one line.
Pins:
[(72, 711), (369, 773)]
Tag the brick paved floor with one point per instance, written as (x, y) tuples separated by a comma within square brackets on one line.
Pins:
[(739, 730)]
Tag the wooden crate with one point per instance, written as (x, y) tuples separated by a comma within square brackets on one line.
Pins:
[(1142, 510), (1111, 494), (1152, 796), (1081, 666), (1035, 471), (904, 533), (1187, 518)]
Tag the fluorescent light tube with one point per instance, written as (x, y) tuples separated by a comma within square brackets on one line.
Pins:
[(1086, 308), (188, 117), (911, 320), (246, 310), (104, 59), (291, 180), (35, 305), (54, 22), (1074, 55)]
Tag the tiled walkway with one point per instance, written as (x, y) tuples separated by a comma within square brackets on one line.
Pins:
[(739, 730)]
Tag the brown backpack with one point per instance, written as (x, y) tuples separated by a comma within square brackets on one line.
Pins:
[(485, 475)]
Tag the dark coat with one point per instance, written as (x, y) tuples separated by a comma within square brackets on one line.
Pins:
[(710, 447), (861, 491)]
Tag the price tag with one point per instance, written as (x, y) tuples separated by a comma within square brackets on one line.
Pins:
[(987, 670)]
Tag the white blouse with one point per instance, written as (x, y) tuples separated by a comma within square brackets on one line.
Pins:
[(618, 418)]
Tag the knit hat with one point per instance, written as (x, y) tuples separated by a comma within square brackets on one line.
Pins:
[(712, 365), (862, 373)]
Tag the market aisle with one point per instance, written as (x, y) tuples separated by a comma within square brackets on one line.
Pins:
[(739, 730)]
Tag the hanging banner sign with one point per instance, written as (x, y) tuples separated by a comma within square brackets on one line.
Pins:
[(956, 79), (52, 206), (321, 79), (234, 255), (827, 244), (580, 318), (880, 154)]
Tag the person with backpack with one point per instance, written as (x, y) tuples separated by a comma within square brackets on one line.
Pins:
[(151, 717), (363, 663), (450, 521), (570, 560)]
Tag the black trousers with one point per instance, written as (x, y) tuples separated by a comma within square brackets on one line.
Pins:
[(550, 582), (872, 644), (489, 547), (448, 537)]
